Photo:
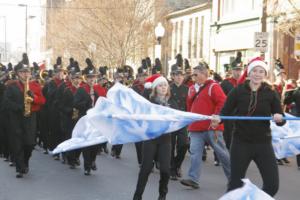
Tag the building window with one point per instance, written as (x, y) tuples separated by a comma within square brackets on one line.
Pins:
[(201, 37), (190, 38), (181, 34), (196, 37)]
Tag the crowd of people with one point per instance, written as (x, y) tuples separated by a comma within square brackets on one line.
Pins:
[(41, 106)]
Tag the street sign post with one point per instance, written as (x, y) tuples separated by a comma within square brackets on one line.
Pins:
[(261, 41)]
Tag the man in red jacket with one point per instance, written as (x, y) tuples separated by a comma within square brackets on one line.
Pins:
[(205, 97)]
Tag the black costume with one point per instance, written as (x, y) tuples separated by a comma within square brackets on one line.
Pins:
[(252, 139)]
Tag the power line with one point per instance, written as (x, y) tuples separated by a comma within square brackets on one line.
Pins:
[(76, 8)]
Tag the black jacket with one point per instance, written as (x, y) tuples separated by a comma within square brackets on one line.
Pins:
[(293, 96), (268, 103), (83, 101), (20, 126), (179, 95)]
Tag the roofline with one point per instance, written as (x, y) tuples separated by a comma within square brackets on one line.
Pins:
[(190, 10)]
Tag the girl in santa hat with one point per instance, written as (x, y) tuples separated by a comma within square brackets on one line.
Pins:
[(252, 139), (161, 146)]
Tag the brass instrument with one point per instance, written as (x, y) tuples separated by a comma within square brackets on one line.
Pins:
[(11, 75), (27, 99), (83, 77), (43, 74), (75, 114)]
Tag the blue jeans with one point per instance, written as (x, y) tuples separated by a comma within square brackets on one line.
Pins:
[(216, 141)]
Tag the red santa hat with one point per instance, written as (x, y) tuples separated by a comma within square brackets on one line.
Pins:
[(154, 80), (257, 62)]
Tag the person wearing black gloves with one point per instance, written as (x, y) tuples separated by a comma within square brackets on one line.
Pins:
[(252, 138)]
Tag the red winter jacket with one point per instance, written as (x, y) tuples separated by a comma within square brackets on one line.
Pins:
[(38, 100), (208, 102)]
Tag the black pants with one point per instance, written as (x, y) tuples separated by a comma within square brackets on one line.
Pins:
[(227, 133), (162, 146), (73, 156), (139, 148), (89, 156), (180, 143), (298, 160), (117, 149), (4, 139), (44, 128), (22, 155), (243, 153)]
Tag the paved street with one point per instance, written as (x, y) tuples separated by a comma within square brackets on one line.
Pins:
[(116, 180)]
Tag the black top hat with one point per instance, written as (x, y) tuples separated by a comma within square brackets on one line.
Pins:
[(236, 65), (57, 68), (90, 73), (21, 67), (176, 69)]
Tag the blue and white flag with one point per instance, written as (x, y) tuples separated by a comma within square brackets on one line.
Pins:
[(124, 117), (286, 139), (249, 191)]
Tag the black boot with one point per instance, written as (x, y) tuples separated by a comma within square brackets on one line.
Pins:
[(162, 197), (137, 197), (19, 175)]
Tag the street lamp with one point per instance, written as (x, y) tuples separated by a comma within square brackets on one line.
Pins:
[(26, 8), (5, 42), (159, 33)]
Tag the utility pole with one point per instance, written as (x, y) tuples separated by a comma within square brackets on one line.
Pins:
[(5, 41), (264, 21), (26, 8)]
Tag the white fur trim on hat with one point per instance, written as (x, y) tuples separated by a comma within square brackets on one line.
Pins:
[(257, 63), (158, 81), (148, 85)]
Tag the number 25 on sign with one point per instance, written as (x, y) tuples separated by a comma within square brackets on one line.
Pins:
[(261, 41)]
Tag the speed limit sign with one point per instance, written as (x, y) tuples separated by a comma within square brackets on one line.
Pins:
[(261, 41)]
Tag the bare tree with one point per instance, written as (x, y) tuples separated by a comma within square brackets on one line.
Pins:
[(119, 29), (286, 13)]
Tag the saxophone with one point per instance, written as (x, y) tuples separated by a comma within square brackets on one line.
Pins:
[(27, 102), (75, 114)]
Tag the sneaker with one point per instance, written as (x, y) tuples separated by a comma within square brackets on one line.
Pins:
[(118, 157), (173, 175), (19, 175), (87, 172), (189, 183), (216, 163), (286, 160), (279, 162), (173, 178)]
